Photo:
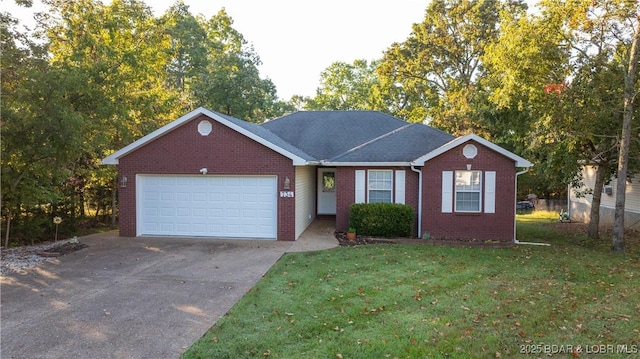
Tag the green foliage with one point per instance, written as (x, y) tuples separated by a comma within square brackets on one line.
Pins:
[(230, 82), (382, 219), (438, 66), (346, 86)]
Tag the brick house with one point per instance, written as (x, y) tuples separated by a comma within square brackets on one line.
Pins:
[(208, 174)]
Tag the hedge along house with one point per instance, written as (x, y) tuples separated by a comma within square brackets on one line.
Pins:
[(208, 174)]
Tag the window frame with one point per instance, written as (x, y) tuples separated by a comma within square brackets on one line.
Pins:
[(384, 180), (457, 189)]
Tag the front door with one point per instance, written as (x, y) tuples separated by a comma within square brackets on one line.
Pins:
[(326, 191)]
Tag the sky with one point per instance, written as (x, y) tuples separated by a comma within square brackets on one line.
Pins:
[(297, 39)]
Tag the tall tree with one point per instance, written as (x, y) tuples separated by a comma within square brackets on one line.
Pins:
[(346, 86), (40, 131), (617, 241), (438, 66), (187, 51), (599, 36), (231, 82), (558, 72)]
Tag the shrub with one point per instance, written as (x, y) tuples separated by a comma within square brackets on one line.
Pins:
[(382, 219)]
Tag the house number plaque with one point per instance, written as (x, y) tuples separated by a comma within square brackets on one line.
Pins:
[(286, 194)]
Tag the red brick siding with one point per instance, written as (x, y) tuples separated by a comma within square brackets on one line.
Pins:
[(345, 187), (223, 152), (497, 226)]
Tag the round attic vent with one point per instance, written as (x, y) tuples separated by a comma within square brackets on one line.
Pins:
[(470, 151), (205, 127)]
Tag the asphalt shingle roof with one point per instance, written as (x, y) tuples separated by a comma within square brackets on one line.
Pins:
[(267, 135), (402, 145), (356, 136), (327, 134)]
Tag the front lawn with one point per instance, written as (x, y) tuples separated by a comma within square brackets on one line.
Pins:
[(412, 301)]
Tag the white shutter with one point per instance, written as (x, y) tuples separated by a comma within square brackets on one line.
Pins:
[(490, 192), (360, 186), (447, 191), (400, 187)]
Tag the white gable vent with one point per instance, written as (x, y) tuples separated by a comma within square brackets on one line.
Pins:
[(470, 151), (205, 127)]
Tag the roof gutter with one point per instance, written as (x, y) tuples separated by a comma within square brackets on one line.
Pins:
[(365, 164), (515, 240), (419, 172)]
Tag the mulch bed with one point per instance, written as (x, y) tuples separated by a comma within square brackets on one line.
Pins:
[(364, 240)]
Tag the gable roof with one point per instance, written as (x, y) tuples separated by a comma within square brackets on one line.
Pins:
[(335, 138), (519, 161), (251, 130)]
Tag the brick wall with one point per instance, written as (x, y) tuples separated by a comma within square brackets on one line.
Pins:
[(496, 226), (345, 187), (483, 226), (223, 152)]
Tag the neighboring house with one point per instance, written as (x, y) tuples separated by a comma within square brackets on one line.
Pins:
[(208, 174), (580, 207)]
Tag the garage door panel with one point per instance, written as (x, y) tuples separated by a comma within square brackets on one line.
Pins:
[(217, 206)]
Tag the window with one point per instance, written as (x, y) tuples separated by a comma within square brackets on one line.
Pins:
[(380, 186), (329, 182), (468, 189)]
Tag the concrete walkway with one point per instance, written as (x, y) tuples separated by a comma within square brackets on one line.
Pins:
[(135, 297)]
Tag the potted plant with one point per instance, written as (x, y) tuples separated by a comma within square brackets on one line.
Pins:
[(351, 234)]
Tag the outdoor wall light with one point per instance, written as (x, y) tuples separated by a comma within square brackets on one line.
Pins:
[(287, 183), (203, 170), (123, 181)]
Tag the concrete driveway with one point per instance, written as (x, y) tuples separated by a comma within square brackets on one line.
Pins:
[(135, 297)]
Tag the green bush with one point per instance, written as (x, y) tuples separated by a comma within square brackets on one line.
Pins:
[(382, 219)]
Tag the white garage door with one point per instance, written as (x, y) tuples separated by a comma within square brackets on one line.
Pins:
[(213, 206)]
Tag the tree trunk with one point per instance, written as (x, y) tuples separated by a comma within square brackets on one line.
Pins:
[(617, 241), (594, 218), (6, 235)]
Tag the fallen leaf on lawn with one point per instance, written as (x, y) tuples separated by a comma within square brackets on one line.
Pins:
[(214, 339), (465, 308), (498, 355), (338, 356)]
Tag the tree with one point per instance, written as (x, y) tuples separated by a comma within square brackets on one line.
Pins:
[(437, 67), (40, 132), (599, 35), (617, 242), (346, 86), (187, 52), (558, 72), (231, 83)]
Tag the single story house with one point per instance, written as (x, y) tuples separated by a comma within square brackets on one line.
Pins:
[(209, 174), (580, 206)]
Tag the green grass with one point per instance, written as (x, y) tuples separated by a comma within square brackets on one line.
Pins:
[(411, 301)]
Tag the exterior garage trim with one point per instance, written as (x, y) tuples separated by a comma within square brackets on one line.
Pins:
[(207, 206)]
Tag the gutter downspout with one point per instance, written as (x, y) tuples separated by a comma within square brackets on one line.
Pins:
[(419, 172), (515, 240)]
